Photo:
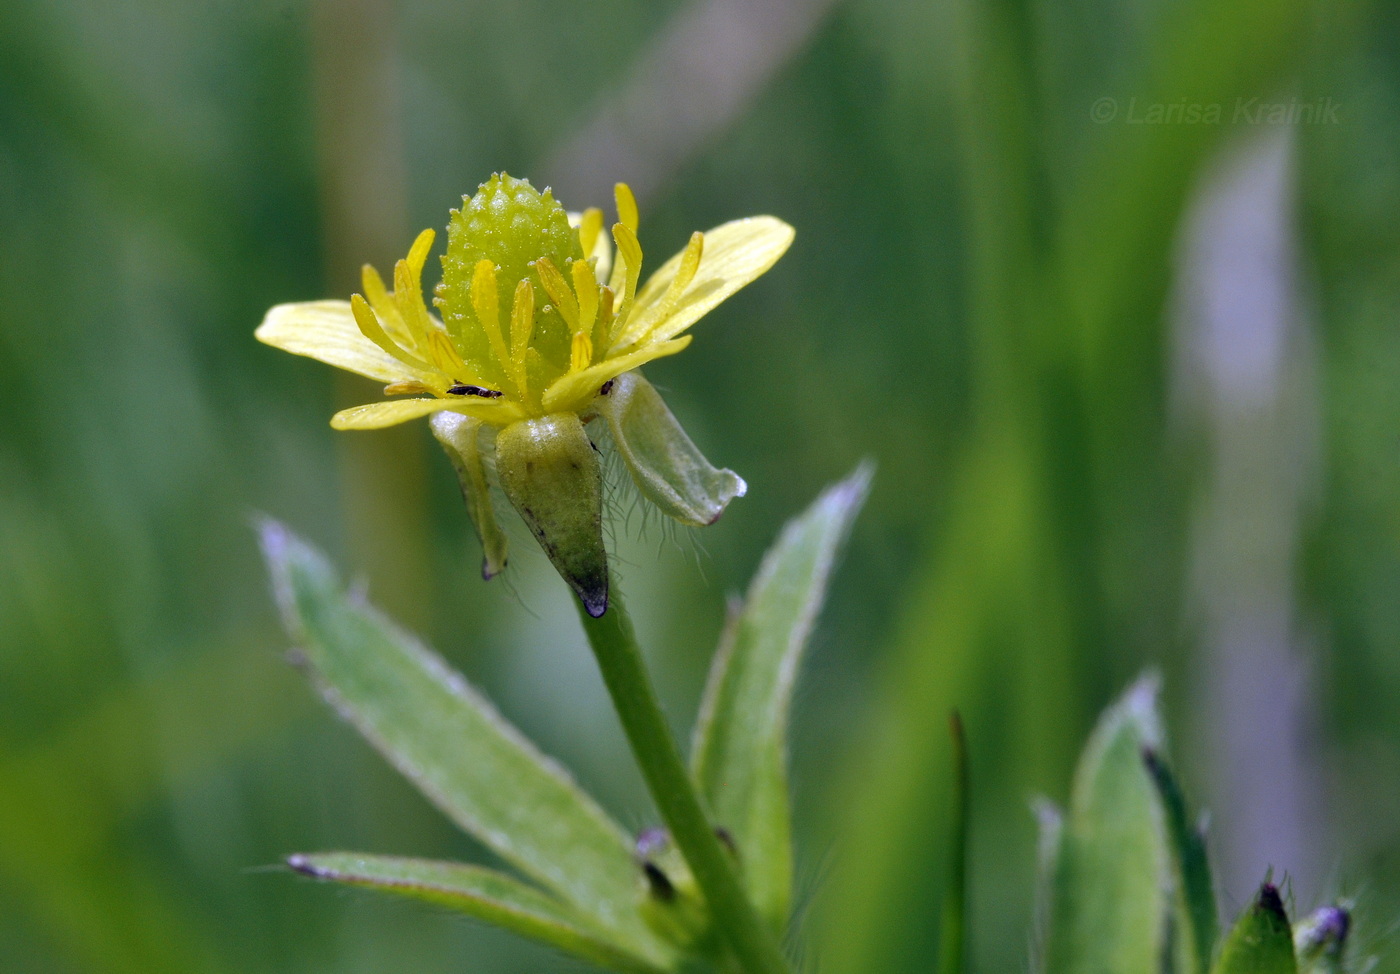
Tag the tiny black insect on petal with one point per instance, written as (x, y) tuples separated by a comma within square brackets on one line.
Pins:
[(462, 389), (607, 387)]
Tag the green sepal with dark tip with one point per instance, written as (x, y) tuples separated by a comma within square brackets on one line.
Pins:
[(459, 436), (1261, 941), (549, 472), (665, 464)]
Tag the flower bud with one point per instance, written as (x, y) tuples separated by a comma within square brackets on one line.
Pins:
[(549, 472), (1321, 940)]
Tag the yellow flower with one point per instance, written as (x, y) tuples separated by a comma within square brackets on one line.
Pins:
[(545, 342), (543, 324)]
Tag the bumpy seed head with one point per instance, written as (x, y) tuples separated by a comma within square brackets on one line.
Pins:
[(512, 225)]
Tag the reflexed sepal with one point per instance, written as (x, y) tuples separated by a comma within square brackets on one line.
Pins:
[(665, 464), (549, 471), (458, 435)]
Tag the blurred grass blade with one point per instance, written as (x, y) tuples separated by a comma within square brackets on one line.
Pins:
[(1261, 942), (951, 943), (453, 745), (739, 751), (481, 893), (1197, 923), (1050, 822), (1109, 907)]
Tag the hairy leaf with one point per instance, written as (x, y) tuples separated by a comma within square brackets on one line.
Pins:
[(481, 893), (739, 751), (1109, 905), (451, 743)]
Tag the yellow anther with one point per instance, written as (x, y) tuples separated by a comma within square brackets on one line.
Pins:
[(628, 268), (444, 356), (602, 328), (371, 329), (590, 228), (626, 206), (522, 327), (685, 273), (418, 253), (383, 303), (408, 297), (486, 304), (586, 287), (580, 352), (405, 387), (558, 290)]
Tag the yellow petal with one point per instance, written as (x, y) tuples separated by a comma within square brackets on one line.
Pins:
[(377, 415), (326, 331), (576, 389), (735, 254)]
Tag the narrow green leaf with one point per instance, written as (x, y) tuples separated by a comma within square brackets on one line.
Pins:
[(1109, 906), (451, 743), (481, 893), (1196, 918), (1261, 941), (739, 750)]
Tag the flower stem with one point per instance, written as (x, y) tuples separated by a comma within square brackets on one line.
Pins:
[(614, 643)]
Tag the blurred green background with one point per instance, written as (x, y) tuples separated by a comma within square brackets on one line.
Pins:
[(1132, 383)]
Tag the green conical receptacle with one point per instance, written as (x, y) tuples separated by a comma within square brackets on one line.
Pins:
[(549, 472)]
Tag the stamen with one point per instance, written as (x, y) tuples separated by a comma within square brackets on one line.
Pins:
[(580, 352), (381, 301), (418, 253), (603, 329), (371, 329), (444, 354), (487, 307), (626, 206), (587, 289), (628, 269), (685, 273), (558, 290), (590, 227), (404, 387), (522, 326), (408, 295)]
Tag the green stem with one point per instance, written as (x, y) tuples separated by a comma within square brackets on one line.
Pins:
[(619, 657)]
